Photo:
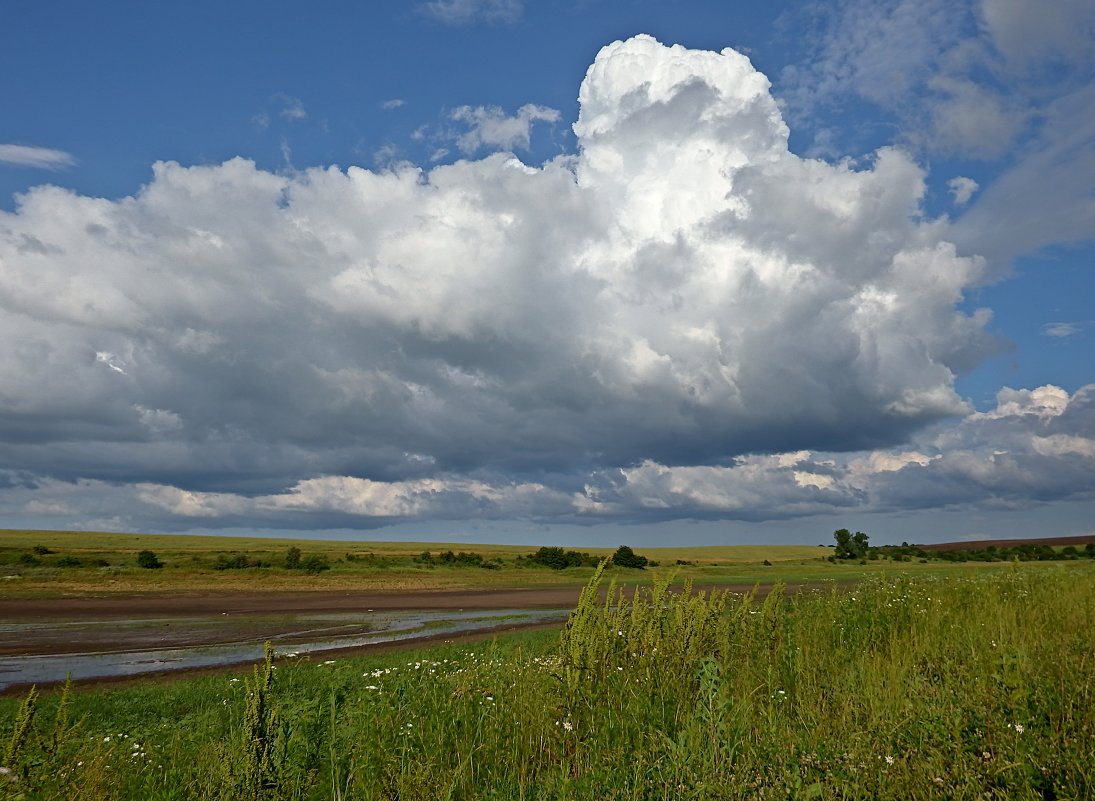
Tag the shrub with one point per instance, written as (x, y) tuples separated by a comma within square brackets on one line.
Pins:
[(314, 564), (237, 561), (292, 558), (149, 560), (625, 557), (41, 550)]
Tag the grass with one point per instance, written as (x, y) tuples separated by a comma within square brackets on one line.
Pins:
[(969, 685), (189, 560)]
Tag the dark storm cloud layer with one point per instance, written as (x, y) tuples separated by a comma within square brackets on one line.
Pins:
[(487, 339)]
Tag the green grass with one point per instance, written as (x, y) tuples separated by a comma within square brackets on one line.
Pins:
[(958, 686), (188, 565)]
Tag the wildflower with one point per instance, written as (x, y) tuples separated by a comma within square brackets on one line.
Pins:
[(1019, 728), (938, 780), (889, 760)]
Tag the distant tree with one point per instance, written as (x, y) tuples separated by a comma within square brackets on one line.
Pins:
[(292, 558), (848, 545), (625, 557), (149, 560)]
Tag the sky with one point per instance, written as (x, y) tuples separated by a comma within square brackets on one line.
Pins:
[(585, 272)]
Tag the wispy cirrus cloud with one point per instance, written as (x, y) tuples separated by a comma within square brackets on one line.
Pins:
[(462, 12), (44, 158), (292, 108), (1063, 330)]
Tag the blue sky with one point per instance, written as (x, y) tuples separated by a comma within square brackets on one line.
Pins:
[(467, 268)]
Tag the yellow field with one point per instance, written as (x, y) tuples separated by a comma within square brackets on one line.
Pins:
[(108, 565), (94, 542)]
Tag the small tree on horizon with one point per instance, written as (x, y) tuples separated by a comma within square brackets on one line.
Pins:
[(848, 545), (625, 557)]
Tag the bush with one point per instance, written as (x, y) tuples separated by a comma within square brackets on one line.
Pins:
[(41, 550), (314, 564), (558, 559), (69, 561), (625, 557), (237, 561), (292, 558), (148, 560)]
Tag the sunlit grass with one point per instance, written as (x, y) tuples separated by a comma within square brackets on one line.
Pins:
[(974, 685), (380, 566)]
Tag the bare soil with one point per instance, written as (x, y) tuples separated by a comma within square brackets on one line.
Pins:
[(978, 545)]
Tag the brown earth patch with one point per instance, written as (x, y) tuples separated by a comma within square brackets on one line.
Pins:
[(980, 545)]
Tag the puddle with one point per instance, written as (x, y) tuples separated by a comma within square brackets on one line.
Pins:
[(154, 645)]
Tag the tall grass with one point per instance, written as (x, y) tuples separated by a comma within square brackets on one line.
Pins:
[(974, 687)]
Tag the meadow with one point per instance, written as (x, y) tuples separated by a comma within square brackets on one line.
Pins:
[(978, 684), (55, 563)]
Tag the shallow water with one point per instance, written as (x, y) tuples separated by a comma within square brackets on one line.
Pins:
[(290, 634)]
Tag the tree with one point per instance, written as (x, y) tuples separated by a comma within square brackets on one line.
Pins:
[(149, 560), (292, 558), (848, 545), (625, 557)]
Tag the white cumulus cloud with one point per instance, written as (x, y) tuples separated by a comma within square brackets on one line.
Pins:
[(681, 292), (490, 127)]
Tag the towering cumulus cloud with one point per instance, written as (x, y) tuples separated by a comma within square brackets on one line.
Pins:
[(682, 290)]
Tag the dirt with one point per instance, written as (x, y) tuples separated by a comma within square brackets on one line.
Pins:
[(245, 616), (978, 545)]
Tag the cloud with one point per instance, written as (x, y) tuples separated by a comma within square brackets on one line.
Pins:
[(489, 127), (962, 189), (489, 337), (39, 157), (1057, 30), (978, 80), (394, 103), (292, 108), (1065, 330), (462, 12), (1035, 446)]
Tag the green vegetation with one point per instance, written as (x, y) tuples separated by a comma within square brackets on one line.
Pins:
[(53, 564), (850, 546), (625, 557), (148, 560), (558, 559), (975, 686), (1025, 552)]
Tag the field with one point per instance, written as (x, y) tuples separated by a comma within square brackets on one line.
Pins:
[(974, 685), (90, 563)]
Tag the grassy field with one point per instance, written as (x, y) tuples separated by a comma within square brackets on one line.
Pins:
[(46, 563), (979, 685), (93, 563)]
